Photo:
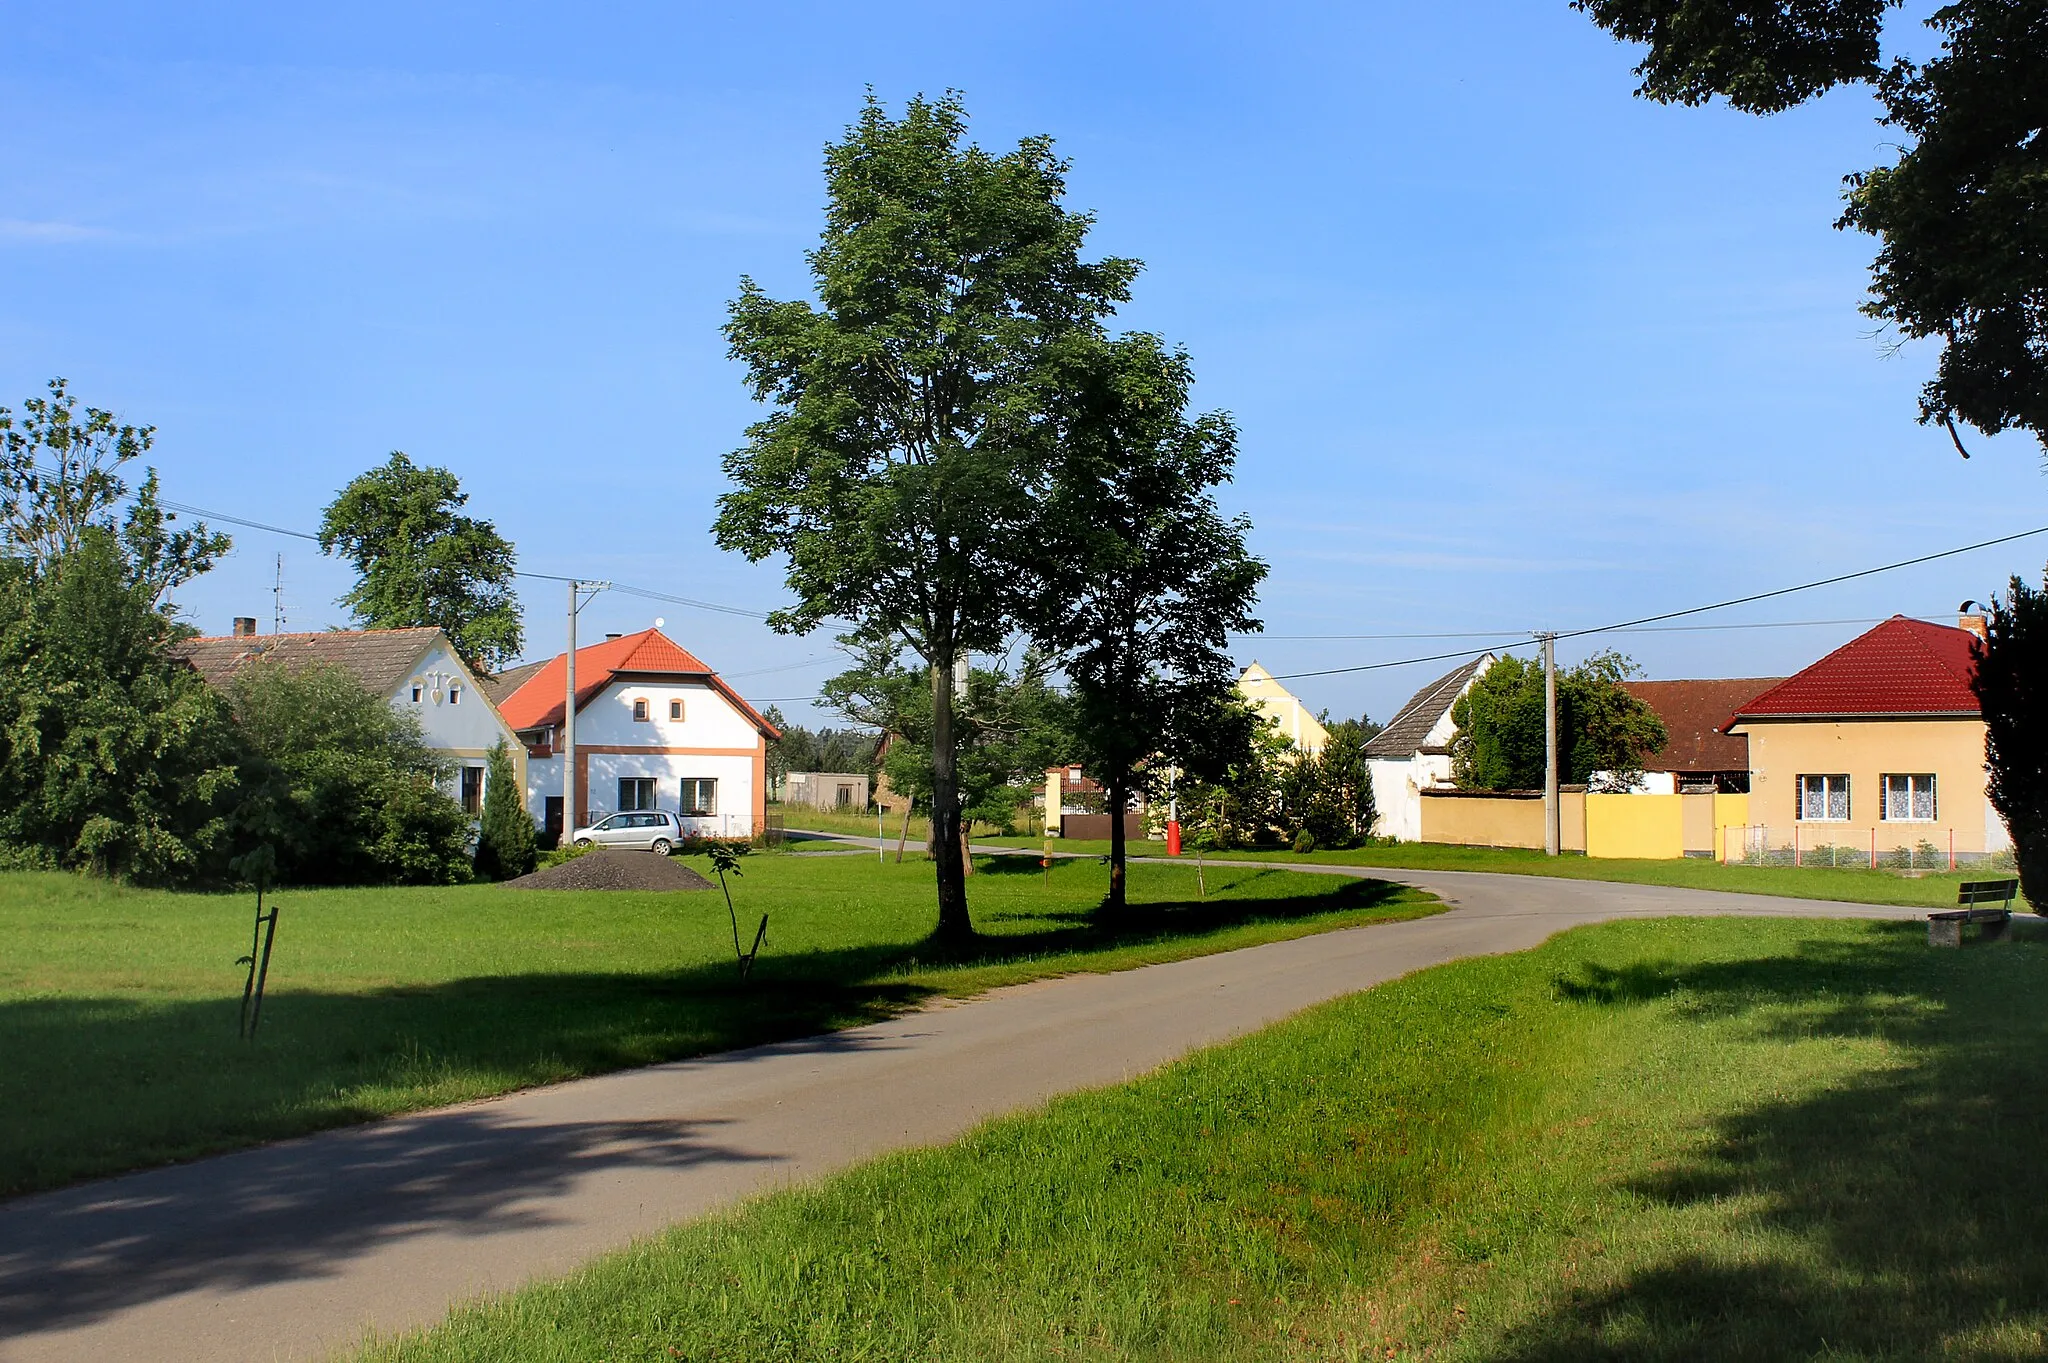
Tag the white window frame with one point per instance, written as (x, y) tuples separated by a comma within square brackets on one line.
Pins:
[(642, 787), (1828, 786), (698, 797), (1908, 785)]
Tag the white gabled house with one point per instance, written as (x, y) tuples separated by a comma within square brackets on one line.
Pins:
[(1413, 753), (655, 729), (416, 670)]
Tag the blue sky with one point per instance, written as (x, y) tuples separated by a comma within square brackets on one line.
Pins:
[(1509, 348)]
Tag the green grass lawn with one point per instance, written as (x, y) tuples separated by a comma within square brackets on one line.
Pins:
[(1683, 1139), (118, 1007)]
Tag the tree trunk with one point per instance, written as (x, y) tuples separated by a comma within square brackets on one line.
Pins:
[(954, 924), (1119, 853)]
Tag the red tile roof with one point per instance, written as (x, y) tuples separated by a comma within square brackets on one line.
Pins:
[(1696, 713), (537, 701), (1902, 667)]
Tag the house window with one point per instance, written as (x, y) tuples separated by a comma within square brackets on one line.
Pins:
[(1908, 798), (640, 711), (700, 796), (472, 790), (675, 709), (455, 695), (1824, 798), (636, 792), (416, 688)]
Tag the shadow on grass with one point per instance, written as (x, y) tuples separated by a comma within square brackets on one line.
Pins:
[(1905, 1214), (98, 1083)]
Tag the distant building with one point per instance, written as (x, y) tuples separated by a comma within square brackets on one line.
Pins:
[(1880, 743), (826, 790), (416, 670), (1700, 754), (655, 729), (1413, 753), (1283, 709)]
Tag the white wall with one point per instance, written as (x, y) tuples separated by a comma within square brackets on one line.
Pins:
[(470, 725), (735, 777), (709, 720)]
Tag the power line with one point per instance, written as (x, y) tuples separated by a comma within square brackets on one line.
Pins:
[(1629, 625)]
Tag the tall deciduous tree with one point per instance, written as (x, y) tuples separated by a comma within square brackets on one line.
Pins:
[(1962, 215), (1604, 734), (419, 561), (60, 476), (1145, 578), (896, 469), (2012, 685)]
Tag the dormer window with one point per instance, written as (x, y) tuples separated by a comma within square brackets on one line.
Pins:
[(455, 694), (675, 709), (640, 711), (416, 688)]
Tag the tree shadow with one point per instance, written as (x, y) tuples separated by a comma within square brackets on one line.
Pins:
[(93, 1084), (1903, 1214)]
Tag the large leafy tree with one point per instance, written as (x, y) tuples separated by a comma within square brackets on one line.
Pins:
[(1604, 734), (114, 756), (2012, 685), (896, 470), (1961, 215), (61, 476), (420, 561), (1145, 578)]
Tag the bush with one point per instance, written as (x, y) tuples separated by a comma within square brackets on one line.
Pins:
[(555, 856), (341, 786), (507, 845), (1304, 842)]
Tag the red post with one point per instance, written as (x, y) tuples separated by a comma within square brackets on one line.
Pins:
[(1173, 837), (1951, 849), (1873, 849), (1795, 844)]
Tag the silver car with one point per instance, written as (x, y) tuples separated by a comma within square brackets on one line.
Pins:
[(645, 830)]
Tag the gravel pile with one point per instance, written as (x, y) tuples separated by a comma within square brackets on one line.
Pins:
[(614, 871)]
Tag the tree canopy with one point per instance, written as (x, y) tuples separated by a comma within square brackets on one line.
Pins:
[(419, 561), (1961, 215), (1144, 578), (2011, 683), (896, 470), (1604, 734)]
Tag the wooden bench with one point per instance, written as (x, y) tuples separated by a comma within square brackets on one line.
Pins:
[(1976, 899)]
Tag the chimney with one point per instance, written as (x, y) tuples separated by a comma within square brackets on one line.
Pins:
[(614, 636), (1971, 619), (245, 627)]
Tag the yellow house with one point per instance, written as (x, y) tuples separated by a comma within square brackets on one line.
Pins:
[(1283, 708), (1876, 748)]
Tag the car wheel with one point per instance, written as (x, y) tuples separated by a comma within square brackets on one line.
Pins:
[(583, 842), (660, 847)]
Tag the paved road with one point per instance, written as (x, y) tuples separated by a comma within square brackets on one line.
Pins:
[(291, 1250)]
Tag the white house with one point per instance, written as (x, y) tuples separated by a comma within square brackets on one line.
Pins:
[(655, 729), (416, 670), (1413, 752)]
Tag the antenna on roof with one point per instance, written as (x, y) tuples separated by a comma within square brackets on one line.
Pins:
[(277, 597)]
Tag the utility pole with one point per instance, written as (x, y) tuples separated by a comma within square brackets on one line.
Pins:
[(1552, 825), (577, 602), (277, 599)]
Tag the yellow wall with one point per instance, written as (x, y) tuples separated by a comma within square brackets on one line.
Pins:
[(1283, 708), (1635, 825), (1781, 751), (1501, 820)]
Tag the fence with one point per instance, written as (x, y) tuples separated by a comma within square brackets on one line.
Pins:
[(1874, 848)]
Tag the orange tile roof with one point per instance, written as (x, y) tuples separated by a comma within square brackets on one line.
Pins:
[(537, 701)]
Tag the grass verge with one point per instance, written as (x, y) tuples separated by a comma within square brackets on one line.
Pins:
[(1686, 1139), (118, 1007)]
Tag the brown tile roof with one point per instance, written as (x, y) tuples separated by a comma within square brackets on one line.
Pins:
[(510, 680), (1695, 713), (1411, 724), (379, 658)]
